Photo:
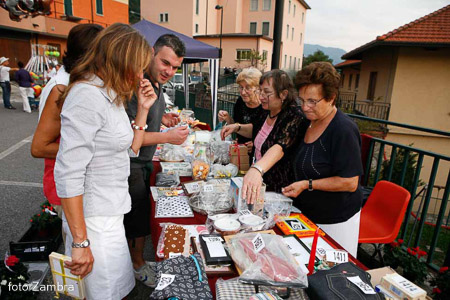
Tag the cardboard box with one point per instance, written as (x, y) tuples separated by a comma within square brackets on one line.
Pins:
[(244, 160), (378, 274), (238, 150), (239, 203), (402, 288)]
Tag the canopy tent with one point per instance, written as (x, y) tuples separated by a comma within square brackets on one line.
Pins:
[(196, 51)]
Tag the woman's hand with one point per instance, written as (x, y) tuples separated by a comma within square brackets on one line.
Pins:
[(224, 116), (252, 186), (249, 146), (82, 262), (295, 189), (227, 130), (146, 95)]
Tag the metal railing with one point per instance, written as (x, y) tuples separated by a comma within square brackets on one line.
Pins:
[(347, 102), (410, 163)]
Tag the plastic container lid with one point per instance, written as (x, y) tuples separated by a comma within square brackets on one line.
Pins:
[(227, 224), (251, 220)]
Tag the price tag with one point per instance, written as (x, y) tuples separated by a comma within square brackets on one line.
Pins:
[(211, 239), (193, 187), (258, 243), (245, 212), (320, 252), (407, 285), (337, 256), (208, 188), (172, 254), (165, 281), (364, 287)]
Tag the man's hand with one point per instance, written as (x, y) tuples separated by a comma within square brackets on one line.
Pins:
[(178, 135), (82, 262), (170, 119)]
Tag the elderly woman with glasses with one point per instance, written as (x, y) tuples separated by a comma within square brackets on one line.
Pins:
[(247, 106), (328, 163), (276, 134)]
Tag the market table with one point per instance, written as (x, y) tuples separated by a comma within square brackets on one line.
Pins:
[(201, 219)]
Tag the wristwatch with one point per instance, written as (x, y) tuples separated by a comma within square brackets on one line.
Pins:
[(310, 188), (257, 167), (239, 127), (83, 244)]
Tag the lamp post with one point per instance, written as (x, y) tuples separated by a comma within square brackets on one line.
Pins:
[(220, 7)]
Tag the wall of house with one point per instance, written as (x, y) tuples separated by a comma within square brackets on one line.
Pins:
[(383, 61), (181, 14), (346, 72), (258, 17)]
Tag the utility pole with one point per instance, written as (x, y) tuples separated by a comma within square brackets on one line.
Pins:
[(277, 33)]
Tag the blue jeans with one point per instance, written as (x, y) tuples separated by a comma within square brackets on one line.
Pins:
[(6, 89)]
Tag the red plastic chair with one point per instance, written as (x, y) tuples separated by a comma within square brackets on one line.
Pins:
[(382, 215)]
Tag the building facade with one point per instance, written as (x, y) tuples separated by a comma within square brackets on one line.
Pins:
[(247, 28), (16, 38)]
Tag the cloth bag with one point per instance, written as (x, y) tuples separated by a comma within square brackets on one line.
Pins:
[(190, 281), (333, 284)]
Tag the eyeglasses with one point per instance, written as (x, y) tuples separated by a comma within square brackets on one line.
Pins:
[(247, 89), (263, 94), (310, 102)]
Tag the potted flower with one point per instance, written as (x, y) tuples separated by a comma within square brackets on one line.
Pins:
[(441, 284), (411, 262), (45, 220), (13, 280)]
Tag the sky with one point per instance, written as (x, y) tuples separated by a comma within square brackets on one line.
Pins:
[(348, 24)]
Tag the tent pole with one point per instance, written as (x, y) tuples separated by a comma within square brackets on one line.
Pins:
[(186, 84)]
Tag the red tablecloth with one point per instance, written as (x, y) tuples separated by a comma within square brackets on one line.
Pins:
[(201, 219)]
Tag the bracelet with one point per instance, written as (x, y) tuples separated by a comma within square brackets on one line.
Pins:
[(258, 167), (239, 127), (134, 126)]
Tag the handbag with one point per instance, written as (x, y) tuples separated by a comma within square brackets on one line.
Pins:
[(186, 278), (333, 284)]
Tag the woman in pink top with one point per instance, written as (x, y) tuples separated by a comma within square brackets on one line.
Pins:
[(276, 133), (46, 138)]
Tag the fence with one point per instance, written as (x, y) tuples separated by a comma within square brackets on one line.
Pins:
[(378, 110), (410, 161)]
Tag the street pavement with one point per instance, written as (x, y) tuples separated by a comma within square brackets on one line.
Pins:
[(21, 183)]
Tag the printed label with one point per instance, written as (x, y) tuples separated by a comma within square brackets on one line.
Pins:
[(258, 243), (165, 281), (337, 256), (364, 287)]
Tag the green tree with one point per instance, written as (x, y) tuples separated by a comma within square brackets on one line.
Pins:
[(316, 56), (134, 11)]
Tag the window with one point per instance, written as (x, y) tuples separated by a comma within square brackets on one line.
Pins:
[(290, 61), (166, 17), (301, 38), (356, 81), (265, 28), (99, 7), (267, 4), (253, 5), (243, 54), (372, 84), (161, 18), (292, 35), (197, 7), (264, 55), (342, 80), (196, 28), (299, 63), (287, 31), (295, 62), (68, 7), (252, 27), (289, 9), (350, 79), (285, 61), (294, 10), (303, 16)]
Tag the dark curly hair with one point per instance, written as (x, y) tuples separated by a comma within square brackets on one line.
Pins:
[(78, 42), (322, 73)]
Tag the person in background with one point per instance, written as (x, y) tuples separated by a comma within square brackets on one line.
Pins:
[(275, 134), (24, 80), (4, 82), (247, 107), (93, 165), (328, 163), (168, 54), (46, 137)]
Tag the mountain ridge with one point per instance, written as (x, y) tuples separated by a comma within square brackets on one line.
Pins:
[(332, 52)]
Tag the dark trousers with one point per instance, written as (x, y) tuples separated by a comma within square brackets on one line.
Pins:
[(6, 89)]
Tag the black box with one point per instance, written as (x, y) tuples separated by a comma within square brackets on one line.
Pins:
[(35, 246), (223, 260)]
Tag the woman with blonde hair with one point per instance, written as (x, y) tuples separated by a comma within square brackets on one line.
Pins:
[(93, 165), (247, 106)]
